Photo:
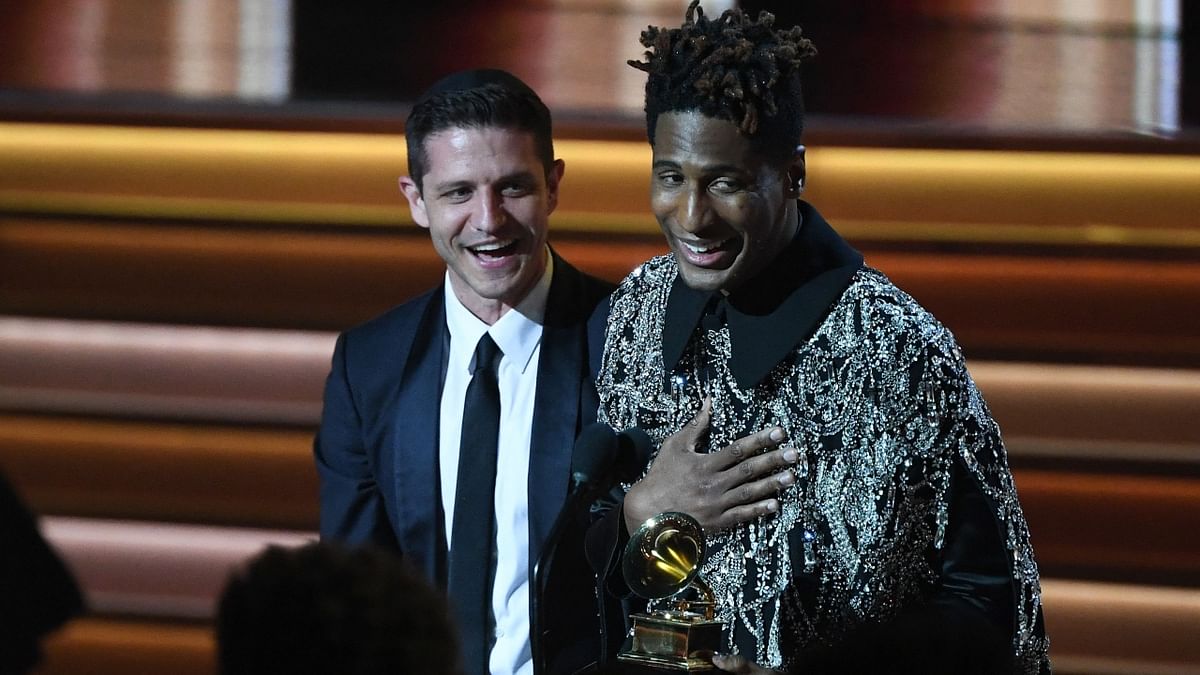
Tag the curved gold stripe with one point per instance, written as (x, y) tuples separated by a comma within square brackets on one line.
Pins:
[(1038, 198), (200, 208), (1062, 235), (581, 221)]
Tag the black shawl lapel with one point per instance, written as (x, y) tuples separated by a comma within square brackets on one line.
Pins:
[(562, 370), (414, 424)]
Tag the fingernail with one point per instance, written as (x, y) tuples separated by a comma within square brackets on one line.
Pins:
[(772, 506), (787, 478), (778, 436), (790, 455)]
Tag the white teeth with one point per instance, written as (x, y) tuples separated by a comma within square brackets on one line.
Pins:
[(705, 249), (494, 246)]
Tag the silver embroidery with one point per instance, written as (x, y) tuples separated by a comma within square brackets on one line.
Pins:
[(879, 402)]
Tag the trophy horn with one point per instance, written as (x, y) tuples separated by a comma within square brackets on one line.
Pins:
[(663, 557)]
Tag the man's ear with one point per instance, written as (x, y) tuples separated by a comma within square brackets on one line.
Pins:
[(416, 203), (553, 178), (796, 173)]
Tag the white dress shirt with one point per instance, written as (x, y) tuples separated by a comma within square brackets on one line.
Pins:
[(519, 335)]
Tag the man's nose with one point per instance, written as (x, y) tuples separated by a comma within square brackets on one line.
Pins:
[(697, 212), (492, 214)]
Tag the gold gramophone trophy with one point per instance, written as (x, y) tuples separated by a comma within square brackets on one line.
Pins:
[(662, 560)]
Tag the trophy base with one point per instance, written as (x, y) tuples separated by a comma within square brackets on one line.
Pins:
[(673, 641)]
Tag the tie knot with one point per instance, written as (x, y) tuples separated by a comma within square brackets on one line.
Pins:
[(487, 355)]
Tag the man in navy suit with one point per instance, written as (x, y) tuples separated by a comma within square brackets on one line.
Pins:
[(483, 180)]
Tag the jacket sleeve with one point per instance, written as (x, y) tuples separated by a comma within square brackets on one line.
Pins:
[(606, 540), (970, 619), (352, 509), (965, 626)]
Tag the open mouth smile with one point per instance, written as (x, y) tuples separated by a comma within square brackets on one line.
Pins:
[(706, 247), (710, 254), (494, 249)]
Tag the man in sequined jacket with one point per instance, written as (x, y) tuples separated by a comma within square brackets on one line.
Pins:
[(893, 541)]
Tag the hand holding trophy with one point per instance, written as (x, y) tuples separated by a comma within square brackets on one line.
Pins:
[(662, 561)]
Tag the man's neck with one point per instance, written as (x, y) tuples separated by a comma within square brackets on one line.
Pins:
[(531, 301)]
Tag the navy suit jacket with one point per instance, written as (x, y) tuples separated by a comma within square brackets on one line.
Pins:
[(377, 448)]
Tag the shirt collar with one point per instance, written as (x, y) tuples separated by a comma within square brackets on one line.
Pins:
[(773, 312), (517, 333)]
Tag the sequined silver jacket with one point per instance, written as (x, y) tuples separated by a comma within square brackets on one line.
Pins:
[(880, 404)]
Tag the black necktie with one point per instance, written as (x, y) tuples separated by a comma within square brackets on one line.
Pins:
[(472, 563)]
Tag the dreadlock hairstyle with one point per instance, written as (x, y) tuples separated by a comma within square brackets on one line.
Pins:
[(732, 68)]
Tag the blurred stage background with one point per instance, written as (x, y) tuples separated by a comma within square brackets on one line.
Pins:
[(195, 195)]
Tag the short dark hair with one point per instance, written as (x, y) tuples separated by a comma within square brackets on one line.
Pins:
[(734, 68), (324, 609), (474, 100)]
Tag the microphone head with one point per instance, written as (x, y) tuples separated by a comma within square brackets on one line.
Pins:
[(594, 454), (633, 454)]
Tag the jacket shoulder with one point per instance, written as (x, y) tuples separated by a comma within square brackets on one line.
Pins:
[(583, 290), (387, 326), (382, 344)]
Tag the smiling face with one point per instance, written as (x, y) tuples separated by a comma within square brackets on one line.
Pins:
[(486, 201), (725, 210)]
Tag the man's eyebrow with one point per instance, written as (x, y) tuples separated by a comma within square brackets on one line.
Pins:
[(449, 185), (523, 176), (708, 169), (515, 177)]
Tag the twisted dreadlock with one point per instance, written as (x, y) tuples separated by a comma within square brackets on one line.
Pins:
[(732, 68)]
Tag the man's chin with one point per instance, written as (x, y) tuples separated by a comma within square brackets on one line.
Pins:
[(702, 279)]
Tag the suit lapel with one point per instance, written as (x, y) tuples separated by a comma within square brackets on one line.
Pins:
[(414, 424), (556, 404)]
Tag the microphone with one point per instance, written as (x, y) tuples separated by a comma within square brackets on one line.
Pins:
[(600, 457), (596, 449), (633, 454)]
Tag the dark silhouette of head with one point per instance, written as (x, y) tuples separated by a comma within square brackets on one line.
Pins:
[(37, 592), (323, 609)]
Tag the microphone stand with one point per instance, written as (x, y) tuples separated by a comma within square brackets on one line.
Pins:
[(581, 496), (600, 458)]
